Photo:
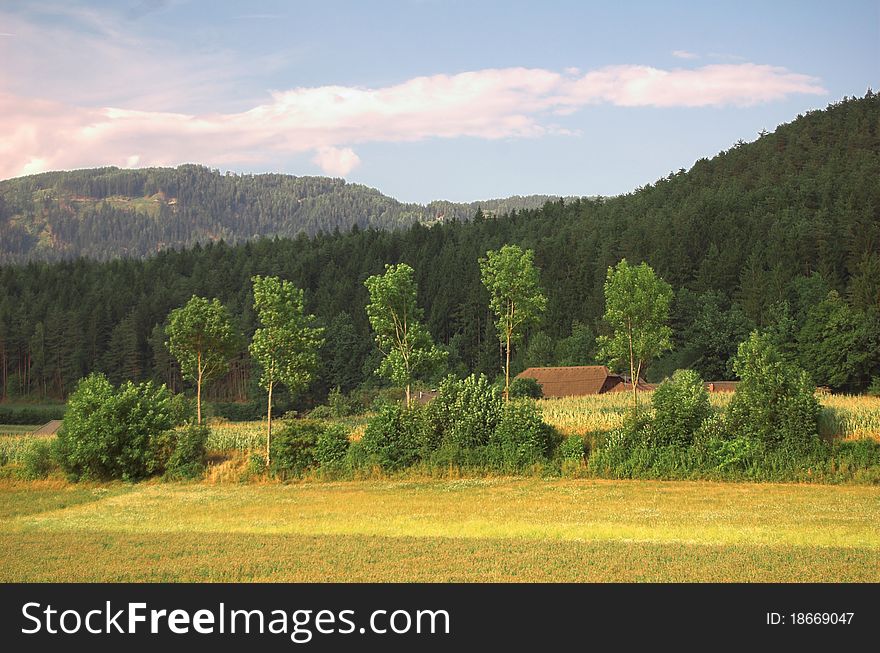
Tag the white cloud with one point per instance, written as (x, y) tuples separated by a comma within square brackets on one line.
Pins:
[(328, 120), (336, 161), (684, 54)]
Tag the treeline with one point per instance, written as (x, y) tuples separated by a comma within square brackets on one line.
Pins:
[(108, 212), (780, 235)]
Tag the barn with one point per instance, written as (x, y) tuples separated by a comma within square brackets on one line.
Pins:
[(574, 381)]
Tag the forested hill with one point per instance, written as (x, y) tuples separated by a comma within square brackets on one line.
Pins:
[(781, 234), (108, 212)]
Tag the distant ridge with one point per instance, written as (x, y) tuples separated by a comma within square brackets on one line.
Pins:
[(105, 213)]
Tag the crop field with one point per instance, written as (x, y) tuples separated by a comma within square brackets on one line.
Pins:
[(843, 416), (499, 529)]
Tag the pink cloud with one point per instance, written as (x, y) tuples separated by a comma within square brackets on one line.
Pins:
[(328, 120), (336, 161)]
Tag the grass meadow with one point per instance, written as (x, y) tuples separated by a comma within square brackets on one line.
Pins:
[(502, 529), (400, 529)]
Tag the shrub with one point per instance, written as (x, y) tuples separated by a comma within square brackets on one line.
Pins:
[(30, 414), (239, 411), (394, 437), (775, 401), (525, 388), (189, 457), (109, 433), (874, 388), (38, 459), (573, 448), (183, 409), (321, 412), (331, 446), (292, 450), (521, 437), (466, 412), (680, 406)]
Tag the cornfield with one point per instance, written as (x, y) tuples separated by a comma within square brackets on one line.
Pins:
[(843, 416)]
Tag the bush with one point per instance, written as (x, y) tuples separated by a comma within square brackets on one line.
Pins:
[(525, 388), (874, 388), (38, 459), (680, 406), (465, 413), (292, 450), (573, 448), (331, 446), (394, 438), (189, 457), (183, 409), (775, 401), (110, 433), (30, 414), (521, 437), (239, 411)]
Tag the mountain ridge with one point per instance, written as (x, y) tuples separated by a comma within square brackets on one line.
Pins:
[(60, 214)]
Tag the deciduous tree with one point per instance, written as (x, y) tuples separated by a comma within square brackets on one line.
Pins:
[(202, 340), (409, 352), (510, 276), (287, 342), (637, 309)]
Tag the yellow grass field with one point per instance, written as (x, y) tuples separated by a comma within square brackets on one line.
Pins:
[(467, 530), (848, 417)]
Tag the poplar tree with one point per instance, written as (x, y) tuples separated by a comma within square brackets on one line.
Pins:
[(202, 340), (286, 344), (515, 297), (409, 351)]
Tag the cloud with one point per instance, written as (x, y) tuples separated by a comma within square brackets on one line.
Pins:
[(336, 161), (684, 54), (327, 121)]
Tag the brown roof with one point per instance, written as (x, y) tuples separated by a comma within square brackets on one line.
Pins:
[(626, 387), (721, 386), (572, 381)]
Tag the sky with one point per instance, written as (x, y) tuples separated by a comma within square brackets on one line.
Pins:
[(422, 99)]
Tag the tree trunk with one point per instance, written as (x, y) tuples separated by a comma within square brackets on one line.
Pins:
[(632, 370), (269, 426), (408, 397), (507, 370), (199, 391)]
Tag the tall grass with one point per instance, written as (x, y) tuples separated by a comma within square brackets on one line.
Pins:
[(843, 416)]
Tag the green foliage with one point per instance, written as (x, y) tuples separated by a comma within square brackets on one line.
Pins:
[(681, 404), (775, 401), (515, 297), (409, 352), (30, 414), (525, 388), (840, 346), (189, 457), (874, 388), (521, 437), (331, 447), (573, 448), (114, 433), (637, 305), (393, 438), (466, 412), (292, 450), (202, 341), (39, 459), (286, 345)]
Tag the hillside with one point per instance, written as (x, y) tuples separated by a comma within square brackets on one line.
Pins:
[(109, 212), (756, 237)]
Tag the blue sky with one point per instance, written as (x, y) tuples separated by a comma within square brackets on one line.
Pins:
[(422, 100)]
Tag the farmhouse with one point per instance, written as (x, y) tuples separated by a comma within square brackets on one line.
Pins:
[(580, 380), (575, 381)]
